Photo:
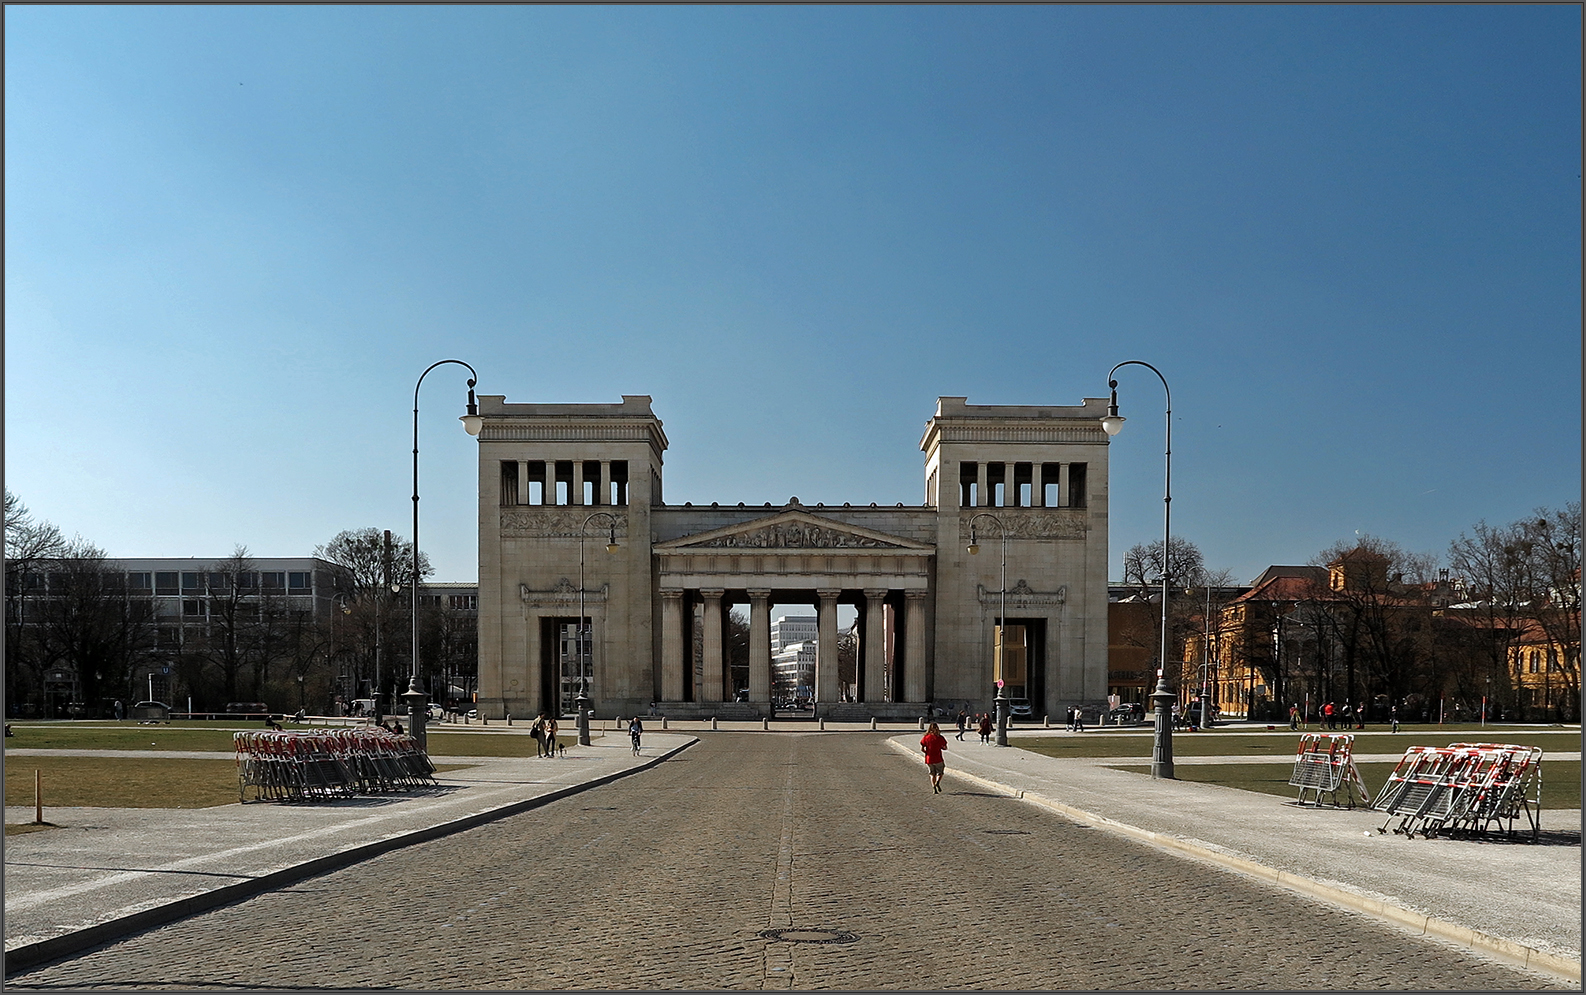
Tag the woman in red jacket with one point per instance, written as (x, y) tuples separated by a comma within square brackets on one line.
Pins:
[(932, 744)]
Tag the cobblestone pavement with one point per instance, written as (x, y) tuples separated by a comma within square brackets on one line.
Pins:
[(669, 879)]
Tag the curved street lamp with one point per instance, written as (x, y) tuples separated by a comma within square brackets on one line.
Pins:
[(582, 703), (1112, 424), (1001, 702), (417, 700)]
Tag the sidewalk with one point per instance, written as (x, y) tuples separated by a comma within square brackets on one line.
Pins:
[(109, 871), (1516, 901)]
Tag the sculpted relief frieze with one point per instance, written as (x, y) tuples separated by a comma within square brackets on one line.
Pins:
[(559, 522), (1020, 596), (1043, 523), (795, 535), (563, 595)]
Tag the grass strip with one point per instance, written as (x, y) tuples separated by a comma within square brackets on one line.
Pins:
[(1280, 745), (1560, 779), (209, 739), (122, 782), (128, 782)]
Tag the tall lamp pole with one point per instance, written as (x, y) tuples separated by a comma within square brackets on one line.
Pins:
[(1001, 702), (417, 700), (582, 703), (1112, 423)]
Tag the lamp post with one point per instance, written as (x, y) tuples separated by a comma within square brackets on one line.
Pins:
[(1001, 703), (582, 703), (417, 700), (1112, 424)]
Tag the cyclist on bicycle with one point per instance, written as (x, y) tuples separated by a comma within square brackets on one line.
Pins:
[(635, 730)]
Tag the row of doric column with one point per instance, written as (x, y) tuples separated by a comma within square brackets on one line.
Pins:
[(677, 658)]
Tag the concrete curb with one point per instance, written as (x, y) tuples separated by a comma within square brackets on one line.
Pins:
[(1508, 950), (33, 954)]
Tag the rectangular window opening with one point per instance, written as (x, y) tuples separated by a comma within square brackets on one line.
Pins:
[(592, 488), (619, 481), (1023, 485), (564, 482), (165, 583), (1050, 498), (997, 484), (509, 481), (1076, 485), (536, 477), (968, 481)]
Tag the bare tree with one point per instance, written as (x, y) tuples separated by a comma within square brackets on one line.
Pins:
[(91, 623), (1379, 616), (28, 543), (371, 562)]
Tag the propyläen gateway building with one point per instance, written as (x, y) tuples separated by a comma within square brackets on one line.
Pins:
[(655, 607)]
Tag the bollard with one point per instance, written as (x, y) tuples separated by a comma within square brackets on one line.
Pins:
[(484, 720), (38, 797), (1046, 722), (465, 718), (765, 724), (872, 723), (713, 722), (663, 722), (823, 725), (922, 723), (509, 718)]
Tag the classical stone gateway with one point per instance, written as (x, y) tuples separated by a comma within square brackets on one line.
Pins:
[(572, 526)]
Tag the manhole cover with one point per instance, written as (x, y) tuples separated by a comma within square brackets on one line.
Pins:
[(809, 935), (1005, 832)]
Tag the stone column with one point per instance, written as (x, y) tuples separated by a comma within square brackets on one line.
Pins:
[(982, 493), (1062, 485), (672, 646), (916, 672), (577, 496), (875, 648), (713, 662), (523, 482), (760, 645), (827, 686), (603, 485)]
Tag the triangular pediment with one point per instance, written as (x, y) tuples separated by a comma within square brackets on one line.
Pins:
[(792, 530)]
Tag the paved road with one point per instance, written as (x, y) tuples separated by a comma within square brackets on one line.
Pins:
[(678, 871)]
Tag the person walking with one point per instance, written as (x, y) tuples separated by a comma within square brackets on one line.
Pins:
[(1327, 715), (1294, 716), (635, 730), (538, 732), (932, 744), (963, 724), (1068, 719), (985, 728), (1393, 717), (1079, 720)]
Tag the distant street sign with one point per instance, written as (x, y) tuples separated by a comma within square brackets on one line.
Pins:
[(999, 684), (165, 671)]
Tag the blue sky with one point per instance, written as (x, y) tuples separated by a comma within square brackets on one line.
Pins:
[(1350, 237)]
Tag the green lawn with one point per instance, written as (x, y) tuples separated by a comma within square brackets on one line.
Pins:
[(486, 744), (126, 782), (1561, 779), (1218, 743), (201, 737), (124, 736)]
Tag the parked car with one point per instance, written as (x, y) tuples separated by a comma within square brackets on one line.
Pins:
[(1126, 715), (1020, 708)]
